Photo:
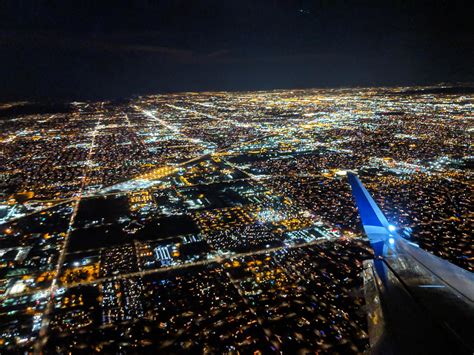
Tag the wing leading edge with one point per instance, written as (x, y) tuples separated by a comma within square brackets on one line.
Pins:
[(375, 224), (416, 302)]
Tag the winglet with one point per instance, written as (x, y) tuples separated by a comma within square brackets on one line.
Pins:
[(374, 222)]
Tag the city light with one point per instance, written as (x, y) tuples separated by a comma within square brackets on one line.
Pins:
[(219, 222)]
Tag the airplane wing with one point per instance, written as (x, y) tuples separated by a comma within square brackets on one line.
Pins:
[(417, 303)]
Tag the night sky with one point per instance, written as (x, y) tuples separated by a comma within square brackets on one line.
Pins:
[(100, 49)]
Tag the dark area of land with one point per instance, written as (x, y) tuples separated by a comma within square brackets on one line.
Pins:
[(33, 108)]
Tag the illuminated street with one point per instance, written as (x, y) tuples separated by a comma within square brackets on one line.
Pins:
[(219, 221)]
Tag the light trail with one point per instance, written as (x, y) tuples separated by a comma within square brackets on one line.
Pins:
[(43, 333), (165, 124), (216, 260)]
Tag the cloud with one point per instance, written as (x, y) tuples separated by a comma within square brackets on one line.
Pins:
[(219, 53), (146, 43)]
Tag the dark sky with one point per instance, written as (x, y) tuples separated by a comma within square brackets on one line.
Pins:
[(99, 49)]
